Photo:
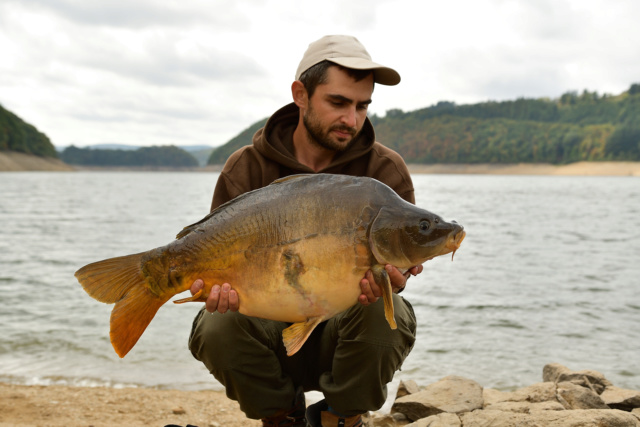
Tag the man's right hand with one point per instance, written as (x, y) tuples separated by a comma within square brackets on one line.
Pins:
[(220, 299)]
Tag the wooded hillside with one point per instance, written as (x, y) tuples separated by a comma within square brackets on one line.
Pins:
[(574, 127), (166, 156), (17, 135)]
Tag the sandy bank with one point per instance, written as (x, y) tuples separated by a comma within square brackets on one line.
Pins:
[(23, 406), (579, 168), (11, 161)]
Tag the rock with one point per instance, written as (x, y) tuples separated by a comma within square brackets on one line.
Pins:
[(539, 392), (451, 394), (620, 398), (178, 410), (636, 412), (388, 420), (526, 407), (577, 397), (557, 373), (406, 388), (575, 418), (519, 407), (552, 405), (441, 420)]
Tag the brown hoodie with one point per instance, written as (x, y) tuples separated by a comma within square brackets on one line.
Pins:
[(271, 157)]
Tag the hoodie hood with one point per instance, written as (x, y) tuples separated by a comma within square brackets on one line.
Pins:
[(275, 140)]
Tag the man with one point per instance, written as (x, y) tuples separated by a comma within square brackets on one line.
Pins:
[(351, 357)]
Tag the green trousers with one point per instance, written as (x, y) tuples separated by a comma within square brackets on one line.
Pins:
[(350, 358)]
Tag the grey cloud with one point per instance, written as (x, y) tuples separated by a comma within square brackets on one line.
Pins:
[(140, 13)]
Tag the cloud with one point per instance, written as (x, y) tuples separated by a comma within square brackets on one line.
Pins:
[(200, 71), (140, 14)]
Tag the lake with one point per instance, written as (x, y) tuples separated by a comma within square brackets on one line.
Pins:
[(549, 272)]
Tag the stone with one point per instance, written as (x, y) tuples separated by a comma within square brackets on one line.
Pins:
[(620, 398), (406, 388), (441, 420), (574, 418), (387, 420), (547, 406), (178, 410), (539, 392), (577, 397), (555, 372), (526, 407), (452, 394)]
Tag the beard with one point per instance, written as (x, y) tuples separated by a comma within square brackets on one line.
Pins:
[(323, 138)]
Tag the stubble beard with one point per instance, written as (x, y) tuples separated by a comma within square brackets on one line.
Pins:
[(321, 138)]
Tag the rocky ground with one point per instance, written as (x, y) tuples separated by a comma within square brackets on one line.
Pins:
[(564, 398)]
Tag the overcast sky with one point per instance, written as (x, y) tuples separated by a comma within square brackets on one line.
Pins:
[(185, 72)]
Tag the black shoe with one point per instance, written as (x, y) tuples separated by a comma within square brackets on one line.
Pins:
[(318, 415), (294, 417), (313, 413)]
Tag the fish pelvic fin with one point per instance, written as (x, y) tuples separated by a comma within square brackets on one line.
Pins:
[(296, 335), (120, 280), (381, 278)]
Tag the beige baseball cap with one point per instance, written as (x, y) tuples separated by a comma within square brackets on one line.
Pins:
[(348, 52)]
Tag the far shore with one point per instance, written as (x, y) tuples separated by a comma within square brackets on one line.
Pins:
[(19, 162)]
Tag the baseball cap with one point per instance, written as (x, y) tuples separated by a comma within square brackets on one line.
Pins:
[(348, 52)]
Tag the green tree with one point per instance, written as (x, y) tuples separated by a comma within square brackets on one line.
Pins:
[(624, 143)]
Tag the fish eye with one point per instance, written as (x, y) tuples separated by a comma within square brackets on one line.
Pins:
[(424, 225)]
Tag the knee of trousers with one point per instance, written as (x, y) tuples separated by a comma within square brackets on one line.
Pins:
[(220, 339), (369, 324)]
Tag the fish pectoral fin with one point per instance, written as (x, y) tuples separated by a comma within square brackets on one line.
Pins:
[(381, 277), (198, 296), (296, 335)]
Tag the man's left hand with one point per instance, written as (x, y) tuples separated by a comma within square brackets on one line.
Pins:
[(371, 291)]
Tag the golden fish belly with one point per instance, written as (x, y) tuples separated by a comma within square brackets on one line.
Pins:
[(314, 277)]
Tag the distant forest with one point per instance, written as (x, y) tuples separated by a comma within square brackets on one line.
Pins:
[(165, 156), (575, 127), (17, 135)]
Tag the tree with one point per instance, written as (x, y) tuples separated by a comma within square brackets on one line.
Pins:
[(624, 143)]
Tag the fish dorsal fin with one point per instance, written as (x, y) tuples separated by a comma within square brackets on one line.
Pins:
[(189, 228), (291, 178)]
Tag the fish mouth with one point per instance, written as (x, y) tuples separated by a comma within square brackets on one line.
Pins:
[(454, 243)]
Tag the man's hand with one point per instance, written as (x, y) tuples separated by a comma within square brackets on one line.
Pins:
[(371, 291), (220, 299)]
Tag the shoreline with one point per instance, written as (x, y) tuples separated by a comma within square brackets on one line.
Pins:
[(18, 162), (71, 406)]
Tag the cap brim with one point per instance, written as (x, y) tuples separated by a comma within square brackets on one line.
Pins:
[(381, 74)]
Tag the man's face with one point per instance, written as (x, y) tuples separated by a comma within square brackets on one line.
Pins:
[(337, 110)]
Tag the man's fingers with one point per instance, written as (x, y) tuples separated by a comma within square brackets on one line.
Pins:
[(213, 299), (197, 285), (234, 302), (370, 291), (416, 270), (398, 280)]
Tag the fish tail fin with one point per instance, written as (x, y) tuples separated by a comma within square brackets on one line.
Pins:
[(120, 280), (381, 277)]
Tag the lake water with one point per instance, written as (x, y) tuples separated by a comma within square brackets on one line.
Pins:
[(549, 272)]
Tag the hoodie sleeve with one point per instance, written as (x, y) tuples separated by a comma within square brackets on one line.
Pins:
[(388, 167)]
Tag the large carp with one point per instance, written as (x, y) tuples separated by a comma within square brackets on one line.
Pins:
[(295, 251)]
